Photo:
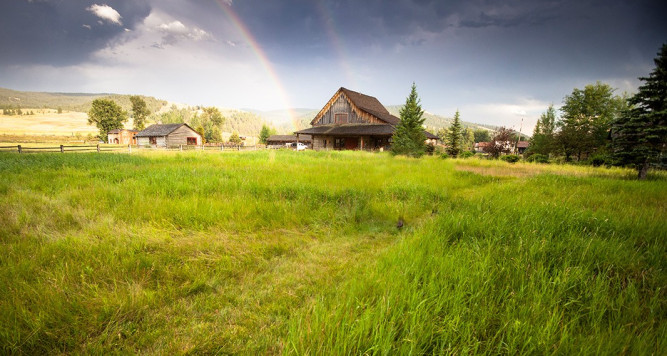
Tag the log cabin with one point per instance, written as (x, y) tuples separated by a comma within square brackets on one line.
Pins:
[(168, 135), (353, 121)]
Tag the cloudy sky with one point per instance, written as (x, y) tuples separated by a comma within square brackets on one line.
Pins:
[(496, 61)]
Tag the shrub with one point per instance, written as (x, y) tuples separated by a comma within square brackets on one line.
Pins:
[(538, 158), (466, 154), (444, 155), (430, 149), (598, 160), (510, 158)]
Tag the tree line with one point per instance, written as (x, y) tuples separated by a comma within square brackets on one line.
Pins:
[(595, 126)]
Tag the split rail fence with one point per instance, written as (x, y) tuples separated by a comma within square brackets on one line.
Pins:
[(128, 148)]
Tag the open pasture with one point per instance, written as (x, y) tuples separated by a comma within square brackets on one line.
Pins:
[(282, 252)]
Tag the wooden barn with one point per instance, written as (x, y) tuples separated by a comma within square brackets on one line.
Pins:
[(168, 135), (353, 121), (122, 137)]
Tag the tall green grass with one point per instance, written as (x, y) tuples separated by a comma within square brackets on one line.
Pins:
[(286, 252), (544, 265)]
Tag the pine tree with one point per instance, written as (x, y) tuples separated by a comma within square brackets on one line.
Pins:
[(639, 136), (409, 136), (543, 138), (455, 137)]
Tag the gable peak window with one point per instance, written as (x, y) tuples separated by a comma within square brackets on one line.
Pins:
[(341, 118)]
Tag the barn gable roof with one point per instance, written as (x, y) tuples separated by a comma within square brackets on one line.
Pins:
[(161, 130), (361, 102)]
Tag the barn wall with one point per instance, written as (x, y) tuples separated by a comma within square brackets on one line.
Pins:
[(180, 136)]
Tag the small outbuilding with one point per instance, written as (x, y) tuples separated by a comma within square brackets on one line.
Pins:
[(122, 137), (168, 135), (280, 141)]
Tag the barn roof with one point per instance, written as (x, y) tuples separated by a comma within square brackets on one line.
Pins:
[(355, 130), (363, 102), (160, 130)]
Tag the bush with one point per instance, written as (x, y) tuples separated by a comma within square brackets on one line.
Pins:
[(444, 155), (466, 154), (538, 158), (598, 160), (430, 149), (510, 158)]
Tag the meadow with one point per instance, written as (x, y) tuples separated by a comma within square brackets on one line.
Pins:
[(280, 252)]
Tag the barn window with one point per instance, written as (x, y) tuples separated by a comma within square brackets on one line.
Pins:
[(341, 118), (192, 141), (339, 143), (153, 140)]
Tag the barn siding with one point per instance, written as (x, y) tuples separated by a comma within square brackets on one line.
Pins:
[(180, 137), (343, 106)]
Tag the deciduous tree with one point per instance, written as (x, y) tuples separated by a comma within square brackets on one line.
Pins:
[(409, 136), (264, 134), (106, 115), (586, 120), (140, 112), (500, 143), (639, 136)]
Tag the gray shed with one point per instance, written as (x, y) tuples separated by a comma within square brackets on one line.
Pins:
[(168, 135)]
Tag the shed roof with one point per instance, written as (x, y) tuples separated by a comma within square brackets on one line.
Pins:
[(160, 130), (115, 131), (288, 138)]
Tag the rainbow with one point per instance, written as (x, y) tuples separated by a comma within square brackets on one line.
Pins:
[(339, 48), (261, 56)]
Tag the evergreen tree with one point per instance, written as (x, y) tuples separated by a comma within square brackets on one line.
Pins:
[(106, 115), (264, 134), (455, 137), (140, 112), (543, 138), (409, 136), (235, 139), (639, 136)]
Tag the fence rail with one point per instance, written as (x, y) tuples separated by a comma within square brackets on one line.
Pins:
[(129, 148)]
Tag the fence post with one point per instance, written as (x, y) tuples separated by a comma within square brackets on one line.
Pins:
[(129, 148), (98, 148), (180, 147), (221, 146), (20, 149), (62, 149)]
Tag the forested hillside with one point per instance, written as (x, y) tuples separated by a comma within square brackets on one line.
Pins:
[(80, 102)]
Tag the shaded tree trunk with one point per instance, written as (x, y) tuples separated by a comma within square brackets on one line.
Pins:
[(643, 170)]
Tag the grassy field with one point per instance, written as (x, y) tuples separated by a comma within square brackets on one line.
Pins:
[(299, 253)]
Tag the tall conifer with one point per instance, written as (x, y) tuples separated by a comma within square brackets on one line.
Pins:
[(409, 136)]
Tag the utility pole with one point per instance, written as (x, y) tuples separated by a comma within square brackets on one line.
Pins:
[(516, 147)]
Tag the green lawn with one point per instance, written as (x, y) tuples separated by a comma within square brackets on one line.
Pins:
[(286, 252)]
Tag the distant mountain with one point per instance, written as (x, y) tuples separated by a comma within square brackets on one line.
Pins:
[(79, 102), (434, 122)]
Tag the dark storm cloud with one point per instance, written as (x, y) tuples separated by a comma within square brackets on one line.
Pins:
[(61, 32)]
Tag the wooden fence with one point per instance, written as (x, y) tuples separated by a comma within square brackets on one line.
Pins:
[(128, 148), (62, 149)]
